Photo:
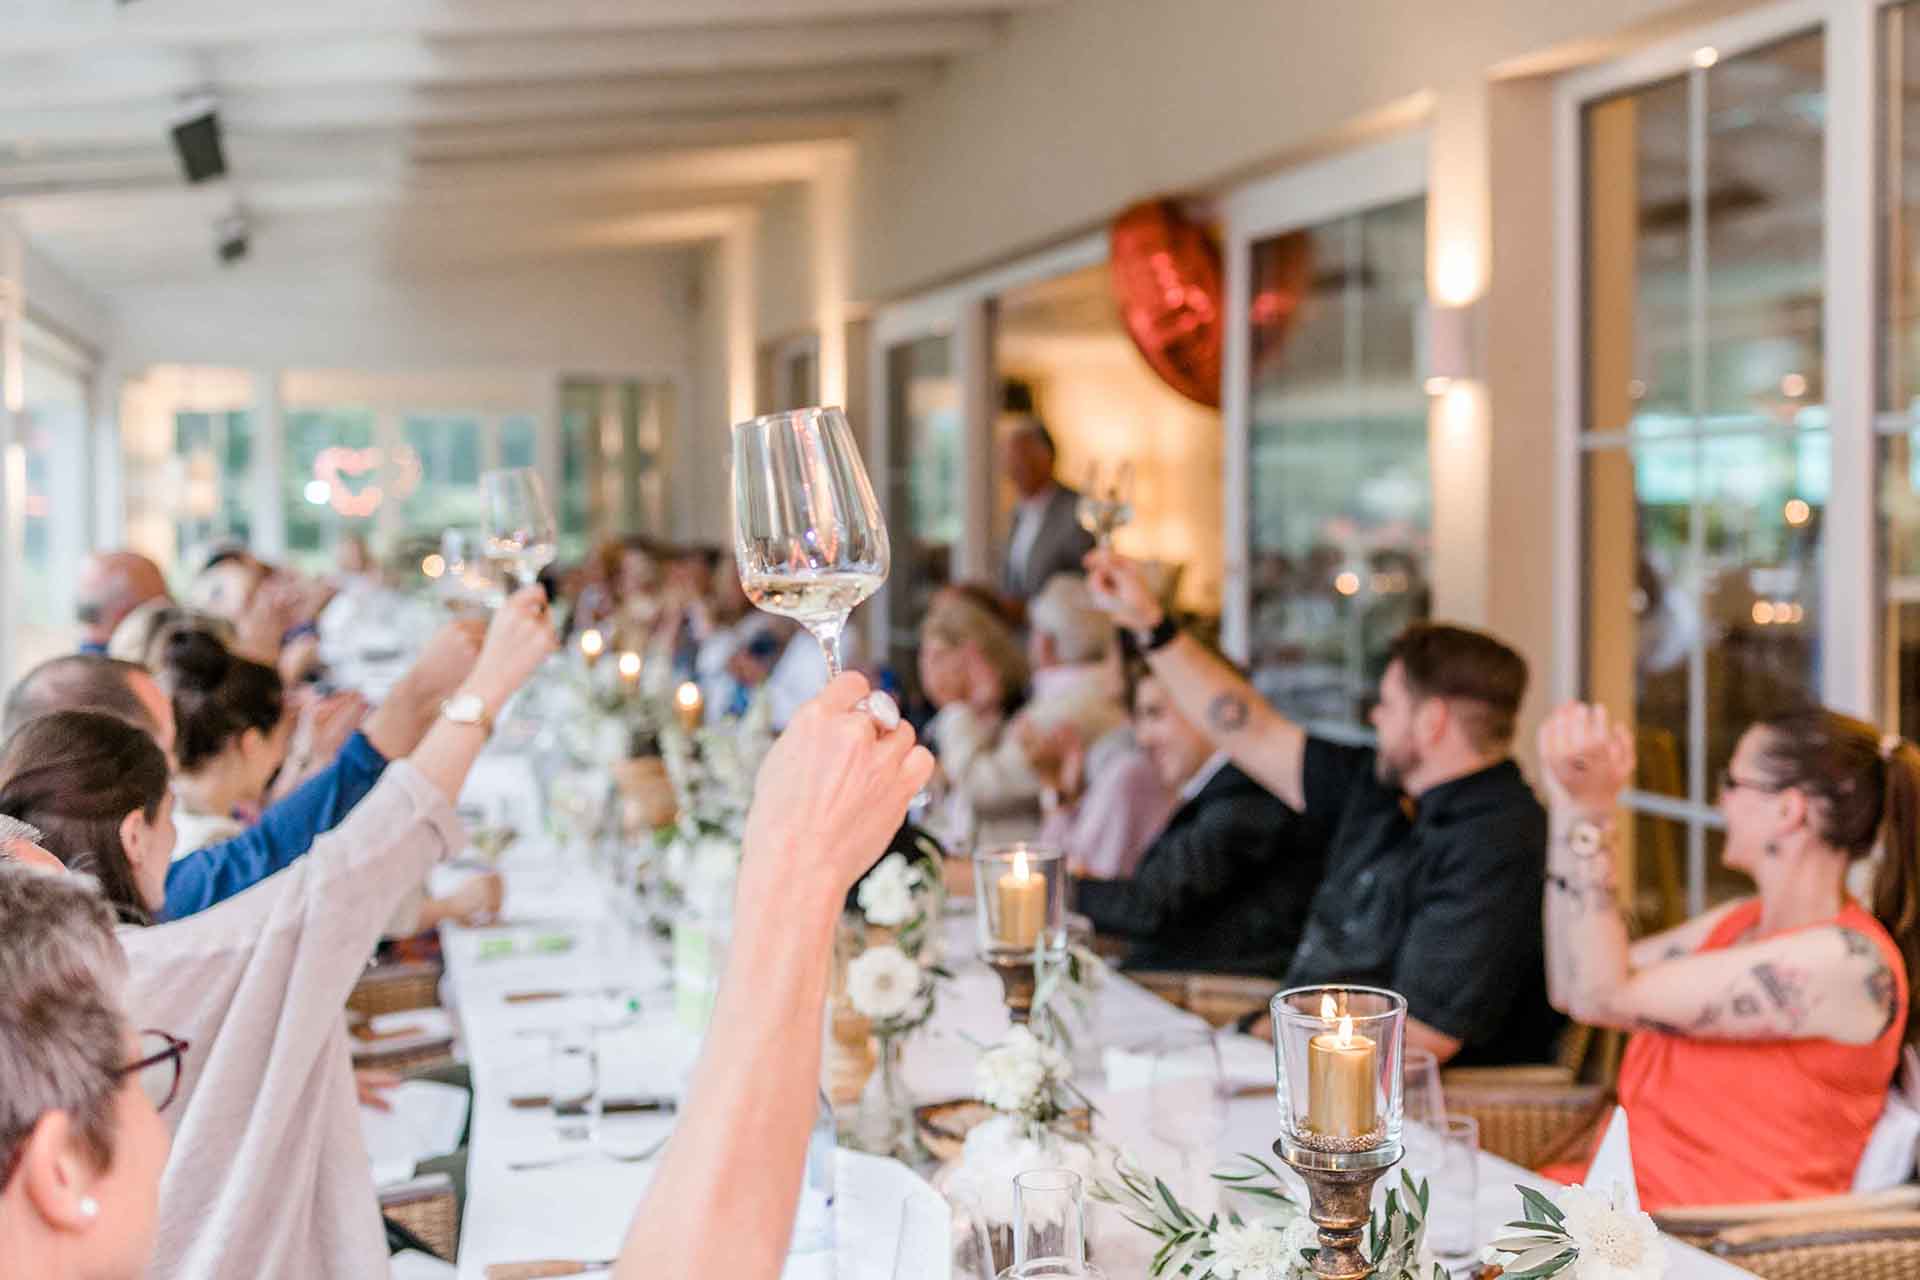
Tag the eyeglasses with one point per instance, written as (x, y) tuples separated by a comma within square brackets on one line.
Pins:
[(1730, 783), (159, 1068)]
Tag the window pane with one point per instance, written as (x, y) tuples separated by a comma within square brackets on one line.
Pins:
[(436, 474), (1764, 225), (331, 480), (1900, 552), (517, 442), (213, 451), (52, 432), (1340, 492), (1900, 256), (926, 453)]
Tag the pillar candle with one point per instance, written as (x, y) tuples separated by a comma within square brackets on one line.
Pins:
[(1023, 905), (688, 705), (1340, 1074)]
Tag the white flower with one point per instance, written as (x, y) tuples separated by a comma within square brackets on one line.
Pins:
[(1614, 1243), (1000, 1149), (1017, 1074), (886, 895), (1302, 1234), (1255, 1251), (883, 982)]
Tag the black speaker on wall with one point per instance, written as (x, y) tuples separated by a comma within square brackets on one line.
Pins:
[(196, 139)]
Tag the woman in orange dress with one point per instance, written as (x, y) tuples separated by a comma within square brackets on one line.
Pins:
[(1768, 1029)]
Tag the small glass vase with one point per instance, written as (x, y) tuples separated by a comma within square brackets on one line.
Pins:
[(886, 1125)]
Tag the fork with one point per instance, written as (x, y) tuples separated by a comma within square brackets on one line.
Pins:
[(618, 1157)]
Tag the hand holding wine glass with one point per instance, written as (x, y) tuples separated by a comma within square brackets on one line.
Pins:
[(522, 534), (808, 538), (1103, 509)]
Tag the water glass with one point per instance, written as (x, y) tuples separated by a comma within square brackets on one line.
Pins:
[(1049, 1218), (576, 1082), (1423, 1106), (1454, 1183)]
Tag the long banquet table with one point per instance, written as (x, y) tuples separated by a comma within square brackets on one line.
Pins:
[(579, 1210)]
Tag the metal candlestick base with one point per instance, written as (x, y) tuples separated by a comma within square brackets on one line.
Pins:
[(1017, 981), (1339, 1198)]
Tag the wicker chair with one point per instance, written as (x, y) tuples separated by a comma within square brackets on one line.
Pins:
[(1220, 998), (395, 988), (425, 1206), (417, 1057), (1867, 1246), (1701, 1223), (1527, 1122)]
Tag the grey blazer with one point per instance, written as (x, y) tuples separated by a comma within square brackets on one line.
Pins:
[(1058, 548)]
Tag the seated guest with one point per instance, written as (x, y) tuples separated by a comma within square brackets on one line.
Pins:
[(1767, 1029), (1436, 848), (972, 670), (260, 980), (1225, 886), (81, 1151), (1103, 799), (286, 830), (143, 634), (112, 584), (20, 844)]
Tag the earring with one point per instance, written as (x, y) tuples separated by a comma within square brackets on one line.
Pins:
[(89, 1208), (1772, 848)]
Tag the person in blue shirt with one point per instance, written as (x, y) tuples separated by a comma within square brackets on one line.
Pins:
[(286, 830)]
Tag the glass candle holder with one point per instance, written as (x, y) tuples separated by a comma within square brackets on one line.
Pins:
[(1020, 897), (1337, 1055)]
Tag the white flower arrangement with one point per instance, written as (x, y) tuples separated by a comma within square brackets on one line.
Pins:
[(885, 984), (888, 895), (1000, 1149), (1064, 993), (712, 770), (1278, 1247), (1586, 1235), (1024, 1077)]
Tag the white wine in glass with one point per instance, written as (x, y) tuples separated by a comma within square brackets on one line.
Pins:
[(808, 537), (522, 535), (1102, 509)]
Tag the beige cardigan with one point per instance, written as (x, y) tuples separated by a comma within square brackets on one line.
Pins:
[(268, 1174)]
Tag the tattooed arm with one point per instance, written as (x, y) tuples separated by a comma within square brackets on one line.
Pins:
[(1823, 983), (1265, 745)]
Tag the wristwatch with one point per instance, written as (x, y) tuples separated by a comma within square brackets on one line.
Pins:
[(468, 708), (1159, 636), (1588, 839)]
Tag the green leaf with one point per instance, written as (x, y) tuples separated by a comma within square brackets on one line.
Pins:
[(1179, 1214), (1520, 1244), (1551, 1267), (1540, 1205), (1535, 1257)]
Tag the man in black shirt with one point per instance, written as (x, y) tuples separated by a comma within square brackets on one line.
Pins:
[(1435, 846)]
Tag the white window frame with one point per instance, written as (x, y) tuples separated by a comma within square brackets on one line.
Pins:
[(1851, 586), (1352, 182)]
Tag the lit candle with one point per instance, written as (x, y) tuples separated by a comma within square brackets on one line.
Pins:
[(1340, 1076), (687, 703), (630, 667), (1023, 904), (592, 645)]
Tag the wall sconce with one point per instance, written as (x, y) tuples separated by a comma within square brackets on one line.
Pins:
[(1453, 345)]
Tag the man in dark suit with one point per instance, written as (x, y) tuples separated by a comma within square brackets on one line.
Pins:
[(1226, 884), (1046, 537)]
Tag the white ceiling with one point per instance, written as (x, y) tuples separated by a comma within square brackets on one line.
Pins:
[(445, 131)]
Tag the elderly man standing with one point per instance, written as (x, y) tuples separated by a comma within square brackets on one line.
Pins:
[(112, 585), (1047, 538)]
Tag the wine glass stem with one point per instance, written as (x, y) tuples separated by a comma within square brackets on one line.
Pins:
[(828, 634)]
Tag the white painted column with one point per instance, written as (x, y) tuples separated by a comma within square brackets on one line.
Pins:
[(980, 410), (269, 456), (831, 218)]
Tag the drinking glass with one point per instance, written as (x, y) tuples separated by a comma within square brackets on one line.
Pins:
[(522, 534), (468, 581), (1187, 1100), (1454, 1186), (1423, 1107), (808, 537), (1105, 508), (576, 1082), (1049, 1219)]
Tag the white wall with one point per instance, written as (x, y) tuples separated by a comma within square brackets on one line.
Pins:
[(1089, 105), (55, 298), (611, 313), (783, 256)]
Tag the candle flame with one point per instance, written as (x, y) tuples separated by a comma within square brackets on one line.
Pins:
[(1328, 1009), (687, 695), (630, 665), (1020, 864), (1346, 1032), (592, 643)]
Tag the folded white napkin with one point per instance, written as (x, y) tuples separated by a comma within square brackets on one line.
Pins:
[(426, 1121), (1244, 1061), (1888, 1160), (1613, 1165)]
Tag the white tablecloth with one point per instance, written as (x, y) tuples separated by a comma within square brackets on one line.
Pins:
[(581, 1210)]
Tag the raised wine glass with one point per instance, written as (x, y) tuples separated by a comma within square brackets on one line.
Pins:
[(1104, 508), (522, 535), (807, 532)]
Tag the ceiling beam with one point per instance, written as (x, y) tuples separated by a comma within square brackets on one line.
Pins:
[(382, 108), (83, 24), (30, 82)]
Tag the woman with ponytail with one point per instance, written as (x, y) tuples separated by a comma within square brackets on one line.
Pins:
[(1768, 1029), (233, 728)]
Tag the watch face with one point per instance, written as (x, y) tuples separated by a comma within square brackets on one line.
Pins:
[(465, 709), (1586, 840)]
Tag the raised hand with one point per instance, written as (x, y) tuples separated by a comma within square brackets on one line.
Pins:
[(518, 640), (1121, 589), (832, 792), (1587, 760)]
